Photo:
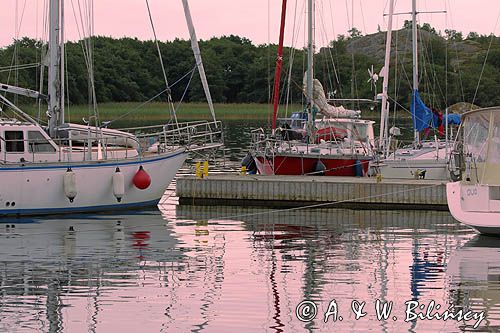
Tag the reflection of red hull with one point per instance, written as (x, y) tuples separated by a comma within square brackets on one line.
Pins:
[(302, 165)]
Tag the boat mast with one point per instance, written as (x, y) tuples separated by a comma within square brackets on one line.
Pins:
[(384, 115), (279, 62), (54, 89), (197, 56), (415, 64), (61, 113), (310, 64)]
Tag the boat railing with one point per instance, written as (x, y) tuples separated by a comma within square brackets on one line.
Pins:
[(65, 150), (259, 139), (260, 142), (149, 140), (194, 136)]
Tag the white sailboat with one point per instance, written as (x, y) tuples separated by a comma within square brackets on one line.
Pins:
[(475, 200), (79, 168), (422, 159)]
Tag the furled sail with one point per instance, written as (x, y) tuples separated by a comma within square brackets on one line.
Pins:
[(326, 109)]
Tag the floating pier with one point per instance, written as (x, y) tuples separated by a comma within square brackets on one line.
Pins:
[(313, 191)]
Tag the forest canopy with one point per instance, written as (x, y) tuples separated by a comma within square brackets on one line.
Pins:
[(128, 69)]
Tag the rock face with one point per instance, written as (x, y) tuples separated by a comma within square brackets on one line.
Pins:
[(462, 107), (373, 45)]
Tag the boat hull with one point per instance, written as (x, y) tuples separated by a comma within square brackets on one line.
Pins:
[(412, 169), (468, 207), (39, 189), (304, 165)]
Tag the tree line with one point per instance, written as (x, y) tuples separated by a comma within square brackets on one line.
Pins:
[(128, 69)]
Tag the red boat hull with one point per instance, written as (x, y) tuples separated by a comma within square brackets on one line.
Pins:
[(291, 165)]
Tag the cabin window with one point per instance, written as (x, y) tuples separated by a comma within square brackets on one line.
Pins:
[(14, 141), (38, 143), (360, 132)]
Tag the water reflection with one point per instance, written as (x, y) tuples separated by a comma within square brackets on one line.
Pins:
[(474, 274), (226, 269)]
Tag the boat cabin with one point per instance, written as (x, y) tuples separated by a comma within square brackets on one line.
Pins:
[(328, 129), (345, 130), (294, 127), (25, 142), (481, 133)]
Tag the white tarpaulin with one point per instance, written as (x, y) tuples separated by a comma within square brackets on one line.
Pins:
[(326, 109)]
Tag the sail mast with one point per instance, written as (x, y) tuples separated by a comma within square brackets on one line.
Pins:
[(310, 64), (62, 66), (385, 84), (54, 68), (279, 62), (415, 65), (197, 56)]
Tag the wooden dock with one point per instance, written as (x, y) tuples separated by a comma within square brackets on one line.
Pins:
[(314, 191)]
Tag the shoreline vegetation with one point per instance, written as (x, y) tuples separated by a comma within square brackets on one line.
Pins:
[(158, 112), (454, 69)]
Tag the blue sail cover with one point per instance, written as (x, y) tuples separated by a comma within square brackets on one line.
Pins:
[(420, 113), (454, 119)]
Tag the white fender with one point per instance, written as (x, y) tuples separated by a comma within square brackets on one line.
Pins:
[(118, 185), (70, 185)]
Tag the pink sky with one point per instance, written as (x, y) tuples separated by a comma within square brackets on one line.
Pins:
[(249, 18)]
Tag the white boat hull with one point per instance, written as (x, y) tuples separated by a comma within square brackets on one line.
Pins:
[(472, 205), (414, 169), (39, 189)]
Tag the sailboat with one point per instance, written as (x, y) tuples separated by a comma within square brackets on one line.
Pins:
[(422, 159), (68, 167), (337, 144), (475, 200)]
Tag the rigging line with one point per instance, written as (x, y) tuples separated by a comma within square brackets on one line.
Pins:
[(17, 28), (152, 98), (335, 69), (457, 58), (324, 35), (91, 48), (187, 86), (83, 40), (362, 16), (291, 57), (446, 59), (169, 94), (431, 79), (269, 73), (81, 33), (348, 16), (396, 81), (486, 58), (23, 66), (331, 79)]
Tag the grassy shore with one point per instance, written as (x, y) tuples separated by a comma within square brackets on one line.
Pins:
[(159, 112)]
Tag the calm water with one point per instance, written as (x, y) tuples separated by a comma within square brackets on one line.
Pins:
[(237, 269)]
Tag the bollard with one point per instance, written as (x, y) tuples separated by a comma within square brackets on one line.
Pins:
[(198, 170), (205, 169)]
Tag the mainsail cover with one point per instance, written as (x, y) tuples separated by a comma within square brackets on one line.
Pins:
[(420, 113), (326, 109)]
